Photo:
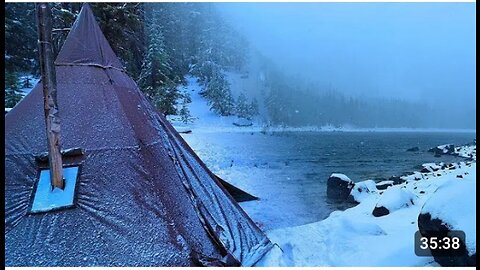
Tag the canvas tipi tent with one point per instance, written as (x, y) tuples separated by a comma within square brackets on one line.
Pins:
[(141, 198)]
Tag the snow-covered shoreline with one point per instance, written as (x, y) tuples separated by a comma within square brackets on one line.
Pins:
[(355, 237), (229, 127)]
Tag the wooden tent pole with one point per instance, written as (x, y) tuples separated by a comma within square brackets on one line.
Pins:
[(49, 83)]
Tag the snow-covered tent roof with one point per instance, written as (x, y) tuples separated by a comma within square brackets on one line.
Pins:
[(143, 198)]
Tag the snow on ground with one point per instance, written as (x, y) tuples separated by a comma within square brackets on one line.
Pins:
[(452, 205), (355, 237), (205, 120), (25, 89), (362, 190), (396, 197), (467, 151), (32, 81)]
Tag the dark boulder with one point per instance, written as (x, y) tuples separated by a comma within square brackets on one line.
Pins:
[(397, 180), (449, 149), (384, 185), (380, 211), (438, 228), (413, 149), (339, 187), (425, 170), (452, 208), (431, 167), (361, 190)]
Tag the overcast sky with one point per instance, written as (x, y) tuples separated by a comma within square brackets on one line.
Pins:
[(406, 50)]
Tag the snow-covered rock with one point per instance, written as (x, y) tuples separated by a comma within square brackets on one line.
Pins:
[(339, 187), (452, 207), (340, 240), (445, 149), (431, 167), (342, 177), (362, 190), (467, 151), (392, 199), (384, 184), (416, 176), (397, 180)]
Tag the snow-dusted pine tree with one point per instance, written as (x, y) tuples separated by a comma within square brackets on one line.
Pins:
[(12, 96), (219, 95), (154, 77), (184, 112), (253, 107), (242, 107)]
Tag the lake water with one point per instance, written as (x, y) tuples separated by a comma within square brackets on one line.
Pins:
[(288, 171)]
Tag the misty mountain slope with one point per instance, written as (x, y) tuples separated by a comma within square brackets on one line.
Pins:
[(370, 50), (255, 83)]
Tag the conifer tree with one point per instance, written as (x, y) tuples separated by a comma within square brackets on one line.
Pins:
[(242, 108), (219, 95), (184, 112), (12, 96), (154, 77)]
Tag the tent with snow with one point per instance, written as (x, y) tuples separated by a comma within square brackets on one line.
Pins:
[(139, 194)]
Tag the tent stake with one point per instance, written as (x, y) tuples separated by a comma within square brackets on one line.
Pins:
[(49, 83)]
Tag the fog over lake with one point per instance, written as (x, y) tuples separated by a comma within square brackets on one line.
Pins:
[(421, 52)]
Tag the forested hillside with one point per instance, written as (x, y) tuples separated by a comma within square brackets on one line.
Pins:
[(160, 43)]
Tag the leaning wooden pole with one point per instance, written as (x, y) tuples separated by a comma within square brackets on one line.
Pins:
[(49, 83)]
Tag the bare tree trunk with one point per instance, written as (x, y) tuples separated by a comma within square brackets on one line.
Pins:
[(49, 83)]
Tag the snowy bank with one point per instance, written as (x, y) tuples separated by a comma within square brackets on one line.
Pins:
[(355, 237), (205, 120)]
